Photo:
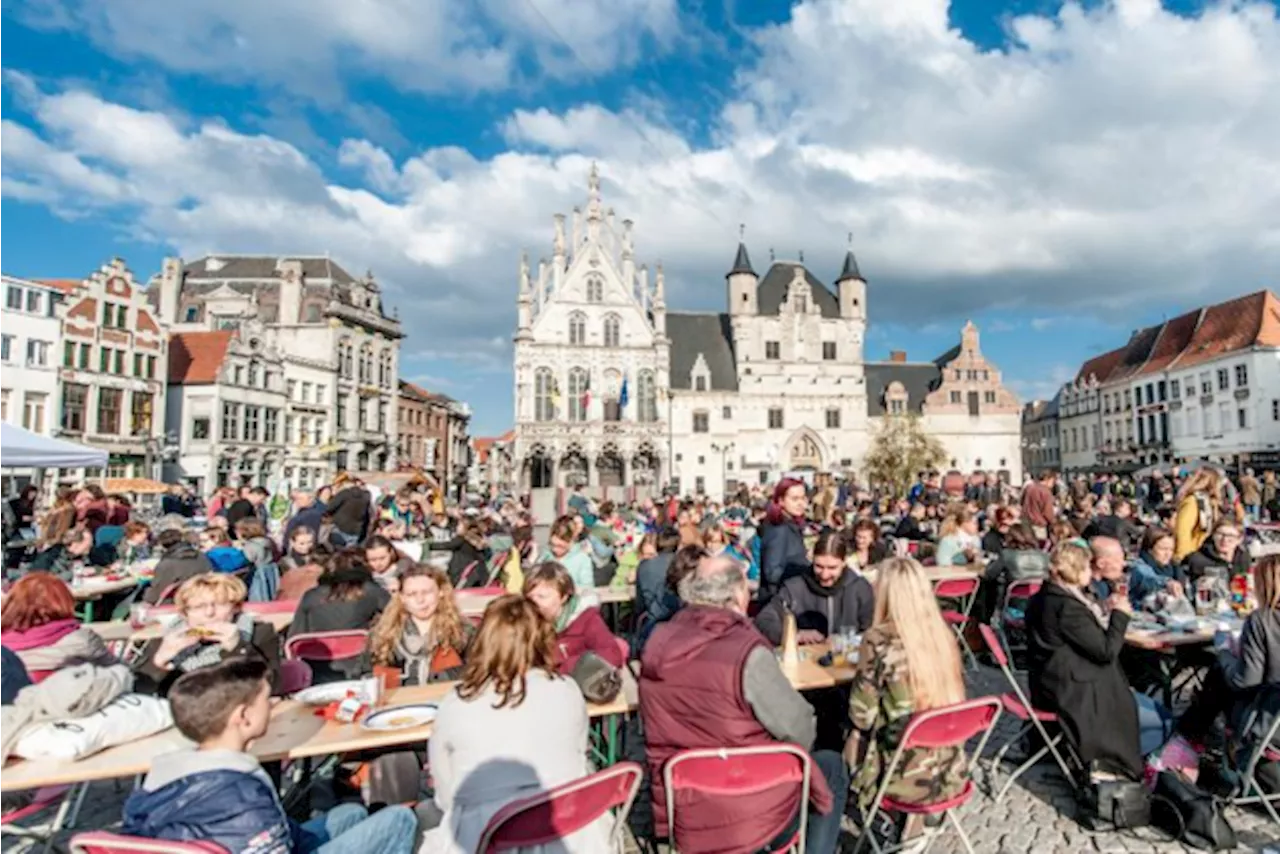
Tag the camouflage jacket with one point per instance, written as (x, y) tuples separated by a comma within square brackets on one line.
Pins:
[(880, 705)]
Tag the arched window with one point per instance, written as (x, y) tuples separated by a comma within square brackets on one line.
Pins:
[(646, 398), (386, 373), (577, 328), (612, 330), (595, 289), (544, 395), (345, 356), (579, 382)]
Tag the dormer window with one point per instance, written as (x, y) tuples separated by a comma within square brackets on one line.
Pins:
[(895, 398)]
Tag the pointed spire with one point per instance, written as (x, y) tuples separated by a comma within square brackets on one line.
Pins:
[(850, 269), (742, 262)]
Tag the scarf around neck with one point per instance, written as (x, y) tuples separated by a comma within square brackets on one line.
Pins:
[(40, 636), (1088, 601)]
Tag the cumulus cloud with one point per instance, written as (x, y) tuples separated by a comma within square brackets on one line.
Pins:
[(314, 46), (1107, 159)]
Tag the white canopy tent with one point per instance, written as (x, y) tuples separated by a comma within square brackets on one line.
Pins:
[(21, 448)]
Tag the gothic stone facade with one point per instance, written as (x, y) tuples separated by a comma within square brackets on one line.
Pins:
[(612, 389)]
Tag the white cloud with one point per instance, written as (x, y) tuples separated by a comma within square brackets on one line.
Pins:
[(1042, 387), (312, 46), (1110, 160)]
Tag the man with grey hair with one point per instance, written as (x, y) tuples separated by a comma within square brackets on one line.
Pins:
[(1110, 575), (709, 679)]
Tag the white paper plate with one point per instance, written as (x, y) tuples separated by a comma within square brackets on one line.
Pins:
[(401, 717), (330, 692)]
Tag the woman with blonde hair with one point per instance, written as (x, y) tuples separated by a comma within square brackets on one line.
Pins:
[(1245, 668), (1073, 659), (511, 729), (1199, 510), (958, 540), (211, 628), (421, 631), (908, 663)]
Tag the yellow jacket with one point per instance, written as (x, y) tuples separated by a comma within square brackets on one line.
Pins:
[(1188, 536), (513, 572)]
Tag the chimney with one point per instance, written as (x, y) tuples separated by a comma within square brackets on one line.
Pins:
[(897, 355), (290, 309), (170, 290)]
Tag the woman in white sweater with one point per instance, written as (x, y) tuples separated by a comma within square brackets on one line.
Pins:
[(512, 728)]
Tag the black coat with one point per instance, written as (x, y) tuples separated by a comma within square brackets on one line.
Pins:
[(782, 556), (849, 604), (1207, 558), (1074, 671)]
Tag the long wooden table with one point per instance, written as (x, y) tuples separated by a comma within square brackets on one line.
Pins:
[(295, 732)]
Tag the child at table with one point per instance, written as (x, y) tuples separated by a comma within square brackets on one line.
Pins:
[(218, 793)]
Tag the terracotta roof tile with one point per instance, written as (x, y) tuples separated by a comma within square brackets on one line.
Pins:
[(196, 357), (64, 285), (1174, 336), (1101, 367), (1231, 326), (1136, 353)]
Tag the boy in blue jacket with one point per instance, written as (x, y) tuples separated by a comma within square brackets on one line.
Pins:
[(218, 793)]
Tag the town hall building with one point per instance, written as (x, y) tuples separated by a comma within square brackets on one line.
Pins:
[(613, 389)]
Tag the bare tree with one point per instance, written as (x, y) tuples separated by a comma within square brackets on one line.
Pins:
[(901, 449)]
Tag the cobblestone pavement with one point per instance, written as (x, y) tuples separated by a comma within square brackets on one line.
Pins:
[(1036, 817)]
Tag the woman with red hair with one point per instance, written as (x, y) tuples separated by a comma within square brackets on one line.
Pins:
[(38, 622), (782, 550)]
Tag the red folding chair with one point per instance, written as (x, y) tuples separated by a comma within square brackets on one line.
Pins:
[(101, 842), (964, 591), (1023, 590), (727, 772), (53, 802), (1017, 704), (276, 606), (167, 595), (560, 812), (326, 646), (936, 729)]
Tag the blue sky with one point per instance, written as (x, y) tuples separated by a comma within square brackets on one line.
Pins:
[(1062, 174)]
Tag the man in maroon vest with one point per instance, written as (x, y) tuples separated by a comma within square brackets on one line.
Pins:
[(710, 679)]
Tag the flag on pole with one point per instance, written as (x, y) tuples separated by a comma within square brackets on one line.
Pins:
[(555, 394), (586, 396), (624, 395)]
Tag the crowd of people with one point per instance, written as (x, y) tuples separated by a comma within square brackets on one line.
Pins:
[(717, 584)]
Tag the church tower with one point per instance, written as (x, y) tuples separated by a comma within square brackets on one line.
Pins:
[(742, 283)]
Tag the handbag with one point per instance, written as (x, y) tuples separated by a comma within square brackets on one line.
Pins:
[(1190, 814), (1122, 804), (599, 681)]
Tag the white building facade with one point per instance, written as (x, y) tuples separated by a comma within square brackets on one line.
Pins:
[(226, 402), (340, 351), (31, 340), (114, 363), (611, 388)]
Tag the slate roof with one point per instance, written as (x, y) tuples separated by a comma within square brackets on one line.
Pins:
[(196, 357), (772, 290), (742, 263), (918, 378), (710, 335), (264, 267), (850, 268)]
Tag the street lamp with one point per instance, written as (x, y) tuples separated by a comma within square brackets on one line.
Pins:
[(723, 451)]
